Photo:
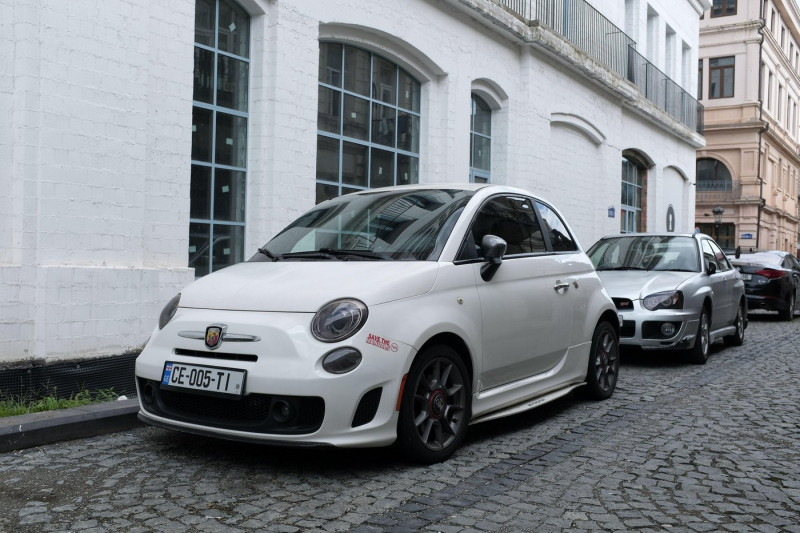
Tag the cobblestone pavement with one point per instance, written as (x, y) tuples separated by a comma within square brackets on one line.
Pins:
[(677, 448)]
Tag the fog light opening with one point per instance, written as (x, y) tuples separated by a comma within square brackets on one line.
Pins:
[(149, 393), (282, 411), (668, 329)]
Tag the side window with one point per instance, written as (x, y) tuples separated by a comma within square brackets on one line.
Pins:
[(722, 260), (512, 219), (713, 254), (709, 257), (560, 239)]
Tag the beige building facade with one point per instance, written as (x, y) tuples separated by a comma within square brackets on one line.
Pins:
[(749, 83)]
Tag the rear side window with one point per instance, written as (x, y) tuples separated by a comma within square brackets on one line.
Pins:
[(560, 239)]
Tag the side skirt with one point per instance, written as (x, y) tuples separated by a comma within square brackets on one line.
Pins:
[(527, 404)]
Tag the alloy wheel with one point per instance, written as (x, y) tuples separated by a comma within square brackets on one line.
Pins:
[(439, 404)]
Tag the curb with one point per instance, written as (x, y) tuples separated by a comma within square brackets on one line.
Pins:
[(36, 429)]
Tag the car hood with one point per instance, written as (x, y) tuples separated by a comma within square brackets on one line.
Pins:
[(304, 286), (636, 284)]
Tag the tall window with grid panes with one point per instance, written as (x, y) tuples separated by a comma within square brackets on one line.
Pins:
[(368, 122), (219, 135)]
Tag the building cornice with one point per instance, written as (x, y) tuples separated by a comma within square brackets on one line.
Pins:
[(700, 6)]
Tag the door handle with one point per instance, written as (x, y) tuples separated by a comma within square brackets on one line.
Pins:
[(560, 287)]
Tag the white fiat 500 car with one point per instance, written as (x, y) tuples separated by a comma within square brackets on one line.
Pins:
[(399, 314)]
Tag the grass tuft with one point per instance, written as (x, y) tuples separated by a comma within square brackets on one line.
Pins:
[(50, 402)]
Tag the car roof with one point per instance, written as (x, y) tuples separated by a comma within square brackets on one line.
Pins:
[(486, 189), (617, 235)]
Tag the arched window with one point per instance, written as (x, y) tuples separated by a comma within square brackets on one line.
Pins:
[(480, 141), (219, 135), (713, 175), (368, 122), (632, 201)]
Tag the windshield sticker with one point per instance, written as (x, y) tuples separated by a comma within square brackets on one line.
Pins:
[(380, 342)]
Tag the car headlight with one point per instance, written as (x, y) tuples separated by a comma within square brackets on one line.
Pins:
[(338, 320), (169, 311), (664, 300)]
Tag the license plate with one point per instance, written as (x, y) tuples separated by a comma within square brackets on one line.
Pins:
[(209, 379), (747, 277)]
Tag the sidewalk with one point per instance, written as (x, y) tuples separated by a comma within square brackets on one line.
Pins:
[(25, 431)]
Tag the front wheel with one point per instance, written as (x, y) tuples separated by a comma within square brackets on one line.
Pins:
[(601, 378), (699, 354), (435, 406)]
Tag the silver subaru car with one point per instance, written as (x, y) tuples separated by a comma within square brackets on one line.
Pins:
[(674, 291)]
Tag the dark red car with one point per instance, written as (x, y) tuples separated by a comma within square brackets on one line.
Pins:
[(771, 281)]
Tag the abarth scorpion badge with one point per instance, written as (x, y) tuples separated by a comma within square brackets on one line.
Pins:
[(214, 335)]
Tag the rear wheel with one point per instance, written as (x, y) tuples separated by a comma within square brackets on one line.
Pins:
[(601, 377), (738, 337), (435, 407), (699, 354), (788, 313)]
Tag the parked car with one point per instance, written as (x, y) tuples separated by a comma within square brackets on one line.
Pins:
[(399, 314), (771, 280), (674, 291)]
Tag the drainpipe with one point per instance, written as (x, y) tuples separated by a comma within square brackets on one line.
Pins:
[(764, 128)]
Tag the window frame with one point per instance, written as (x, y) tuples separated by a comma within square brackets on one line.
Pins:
[(723, 6), (368, 147), (721, 70), (218, 228), (479, 175)]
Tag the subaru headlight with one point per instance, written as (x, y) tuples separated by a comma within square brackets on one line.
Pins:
[(338, 320), (663, 300), (169, 311)]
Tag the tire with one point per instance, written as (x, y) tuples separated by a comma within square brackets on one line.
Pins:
[(699, 353), (788, 314), (737, 339), (435, 407), (601, 377)]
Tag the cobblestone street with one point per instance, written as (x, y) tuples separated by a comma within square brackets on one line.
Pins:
[(678, 447)]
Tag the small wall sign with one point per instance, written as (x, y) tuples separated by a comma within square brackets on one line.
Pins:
[(746, 236), (612, 212)]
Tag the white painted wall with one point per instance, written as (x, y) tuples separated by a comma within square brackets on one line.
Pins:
[(95, 127)]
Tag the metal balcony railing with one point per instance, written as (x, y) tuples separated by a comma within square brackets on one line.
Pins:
[(718, 191), (591, 32)]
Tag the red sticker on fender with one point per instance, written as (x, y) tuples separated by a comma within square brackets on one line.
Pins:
[(380, 342)]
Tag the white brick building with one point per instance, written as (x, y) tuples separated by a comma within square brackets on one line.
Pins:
[(137, 137)]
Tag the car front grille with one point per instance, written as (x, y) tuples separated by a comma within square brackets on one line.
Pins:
[(257, 413)]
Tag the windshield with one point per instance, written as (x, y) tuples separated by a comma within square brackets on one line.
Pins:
[(406, 225), (646, 252)]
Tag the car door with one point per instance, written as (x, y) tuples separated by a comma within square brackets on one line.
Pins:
[(525, 311), (789, 262), (722, 283)]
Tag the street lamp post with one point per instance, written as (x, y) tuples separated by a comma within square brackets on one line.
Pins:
[(717, 220)]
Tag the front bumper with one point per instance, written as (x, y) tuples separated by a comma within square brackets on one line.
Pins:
[(643, 328), (288, 397)]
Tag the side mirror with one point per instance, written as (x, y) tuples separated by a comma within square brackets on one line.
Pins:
[(493, 249), (711, 269)]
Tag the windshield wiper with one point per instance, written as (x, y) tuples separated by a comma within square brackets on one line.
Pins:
[(623, 268), (366, 254), (310, 254), (269, 254)]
